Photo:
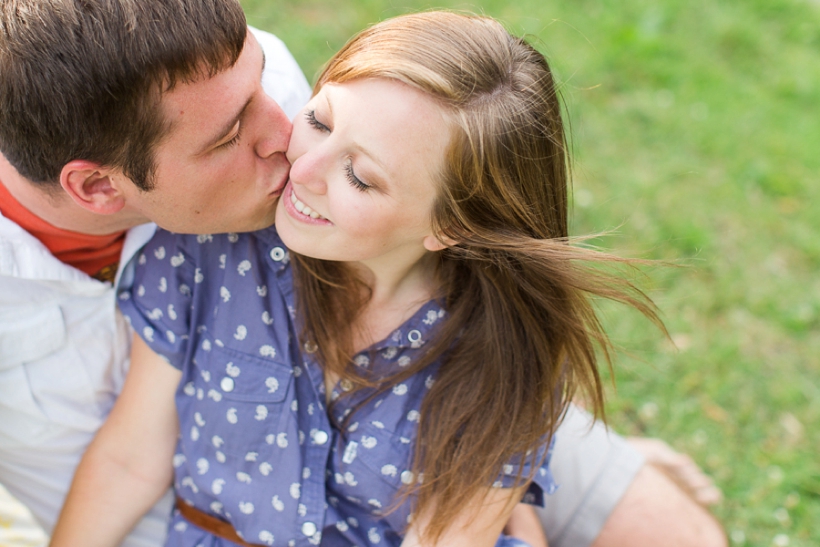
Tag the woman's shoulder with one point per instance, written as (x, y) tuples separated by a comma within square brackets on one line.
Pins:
[(202, 253)]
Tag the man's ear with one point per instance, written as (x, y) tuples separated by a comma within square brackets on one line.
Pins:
[(91, 186), (433, 243)]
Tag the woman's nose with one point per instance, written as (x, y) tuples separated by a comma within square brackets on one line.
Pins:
[(306, 170)]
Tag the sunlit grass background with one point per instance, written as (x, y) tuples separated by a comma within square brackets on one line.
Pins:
[(696, 138)]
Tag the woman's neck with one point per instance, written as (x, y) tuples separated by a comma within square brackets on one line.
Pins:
[(398, 289)]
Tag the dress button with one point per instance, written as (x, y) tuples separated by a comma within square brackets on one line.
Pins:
[(346, 385), (414, 335), (227, 384), (308, 528), (277, 253), (310, 346), (407, 477), (320, 438)]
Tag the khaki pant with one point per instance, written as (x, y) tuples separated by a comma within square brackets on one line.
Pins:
[(593, 468)]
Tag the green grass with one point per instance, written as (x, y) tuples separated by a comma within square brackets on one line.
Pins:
[(696, 137)]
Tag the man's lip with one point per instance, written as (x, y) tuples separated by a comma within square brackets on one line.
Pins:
[(280, 188)]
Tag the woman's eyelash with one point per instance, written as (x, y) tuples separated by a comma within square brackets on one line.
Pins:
[(354, 180), (310, 115), (312, 121)]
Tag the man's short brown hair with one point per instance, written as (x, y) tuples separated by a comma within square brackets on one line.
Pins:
[(82, 79)]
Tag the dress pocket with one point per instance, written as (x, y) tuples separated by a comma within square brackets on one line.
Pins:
[(374, 467), (234, 402)]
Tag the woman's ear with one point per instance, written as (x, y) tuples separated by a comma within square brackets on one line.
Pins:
[(438, 243), (91, 186)]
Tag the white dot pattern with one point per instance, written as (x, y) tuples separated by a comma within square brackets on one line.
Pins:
[(258, 443)]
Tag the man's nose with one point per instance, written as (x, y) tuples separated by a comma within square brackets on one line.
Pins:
[(275, 130)]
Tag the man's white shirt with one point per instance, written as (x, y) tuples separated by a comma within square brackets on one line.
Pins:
[(64, 347)]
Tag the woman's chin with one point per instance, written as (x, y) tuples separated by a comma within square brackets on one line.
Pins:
[(293, 236)]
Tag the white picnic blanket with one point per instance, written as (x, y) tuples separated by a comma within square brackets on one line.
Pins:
[(17, 528)]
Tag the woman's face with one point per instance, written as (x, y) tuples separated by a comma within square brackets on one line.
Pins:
[(365, 157)]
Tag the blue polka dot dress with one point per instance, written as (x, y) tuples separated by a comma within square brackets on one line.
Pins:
[(257, 447)]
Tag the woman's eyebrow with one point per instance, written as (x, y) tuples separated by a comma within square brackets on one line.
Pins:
[(356, 145), (329, 104)]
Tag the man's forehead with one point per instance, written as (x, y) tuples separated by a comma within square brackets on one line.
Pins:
[(212, 103)]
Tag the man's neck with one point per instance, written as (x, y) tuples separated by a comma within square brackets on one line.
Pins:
[(58, 209)]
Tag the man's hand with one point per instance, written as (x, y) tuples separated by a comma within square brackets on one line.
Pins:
[(525, 525)]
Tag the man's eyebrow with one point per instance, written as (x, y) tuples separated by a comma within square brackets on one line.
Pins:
[(226, 128), (223, 132)]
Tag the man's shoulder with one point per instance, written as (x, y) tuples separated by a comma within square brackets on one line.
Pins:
[(283, 79), (23, 256), (135, 239), (268, 41)]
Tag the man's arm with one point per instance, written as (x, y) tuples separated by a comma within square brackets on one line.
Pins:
[(282, 79), (609, 495), (128, 465), (479, 524)]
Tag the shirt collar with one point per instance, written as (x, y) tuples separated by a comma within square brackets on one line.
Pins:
[(416, 331), (278, 256)]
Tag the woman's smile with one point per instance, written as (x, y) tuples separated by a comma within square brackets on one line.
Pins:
[(299, 210)]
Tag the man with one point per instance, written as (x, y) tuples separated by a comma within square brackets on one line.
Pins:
[(116, 113), (88, 91)]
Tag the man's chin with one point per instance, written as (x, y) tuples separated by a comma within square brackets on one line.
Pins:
[(262, 224), (242, 225)]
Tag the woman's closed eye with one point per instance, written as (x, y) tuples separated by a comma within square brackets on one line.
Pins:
[(354, 180), (313, 122)]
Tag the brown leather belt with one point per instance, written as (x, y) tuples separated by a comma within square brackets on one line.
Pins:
[(211, 524)]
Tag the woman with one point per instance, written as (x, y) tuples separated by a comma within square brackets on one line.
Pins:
[(443, 320)]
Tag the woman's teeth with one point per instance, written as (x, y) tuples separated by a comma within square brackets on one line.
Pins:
[(304, 209)]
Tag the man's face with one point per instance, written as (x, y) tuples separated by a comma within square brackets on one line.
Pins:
[(222, 165)]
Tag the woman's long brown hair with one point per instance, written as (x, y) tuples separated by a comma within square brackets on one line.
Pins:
[(521, 332)]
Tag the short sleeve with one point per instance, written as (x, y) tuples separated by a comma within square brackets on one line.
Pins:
[(158, 304), (509, 541), (542, 480)]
